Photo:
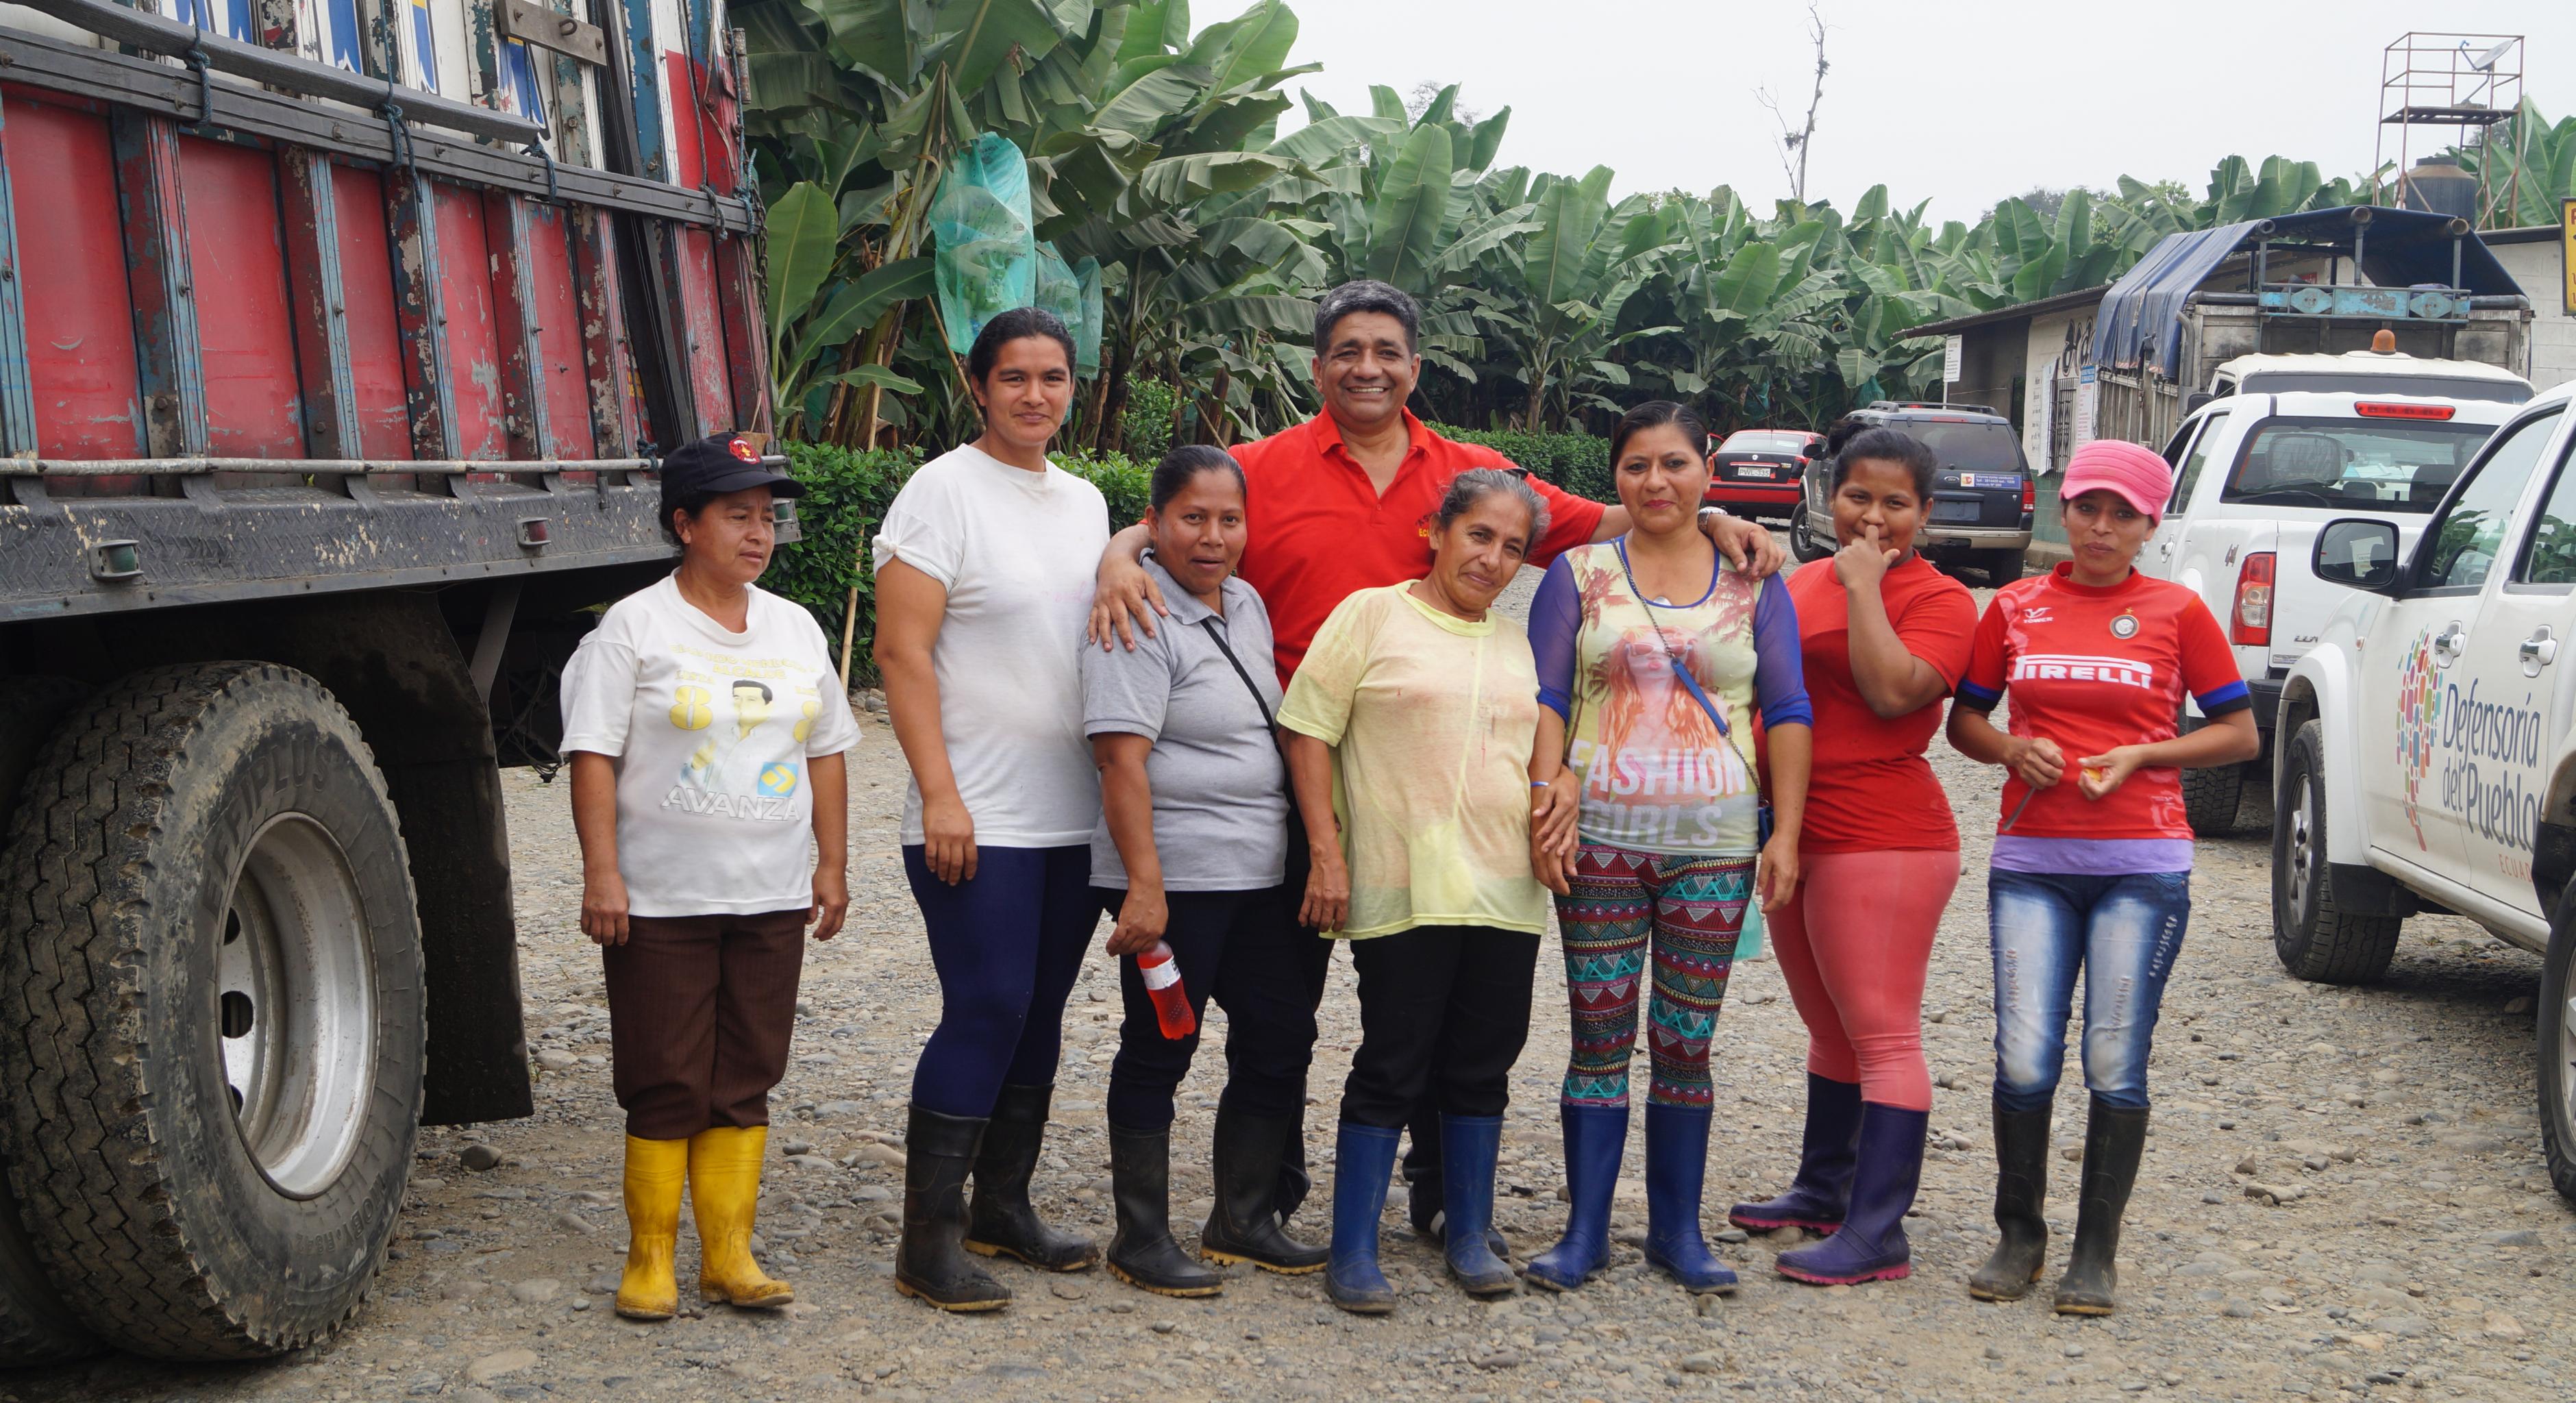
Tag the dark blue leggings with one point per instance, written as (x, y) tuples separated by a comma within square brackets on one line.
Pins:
[(1008, 945)]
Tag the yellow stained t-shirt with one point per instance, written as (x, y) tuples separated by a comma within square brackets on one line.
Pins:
[(1433, 718)]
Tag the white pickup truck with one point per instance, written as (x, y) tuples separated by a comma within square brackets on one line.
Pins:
[(2430, 759), (2257, 473)]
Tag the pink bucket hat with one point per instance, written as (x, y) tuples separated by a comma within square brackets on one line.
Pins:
[(2139, 476)]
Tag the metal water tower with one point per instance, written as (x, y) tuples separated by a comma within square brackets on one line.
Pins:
[(2467, 84)]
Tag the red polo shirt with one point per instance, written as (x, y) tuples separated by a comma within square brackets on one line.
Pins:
[(1320, 531)]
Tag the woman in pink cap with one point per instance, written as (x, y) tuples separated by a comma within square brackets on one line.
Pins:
[(2092, 862)]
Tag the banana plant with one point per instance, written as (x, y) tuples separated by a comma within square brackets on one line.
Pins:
[(2529, 166)]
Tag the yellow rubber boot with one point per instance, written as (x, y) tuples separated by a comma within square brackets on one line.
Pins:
[(724, 1187), (655, 1172)]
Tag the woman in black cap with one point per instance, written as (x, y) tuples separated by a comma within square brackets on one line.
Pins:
[(705, 727)]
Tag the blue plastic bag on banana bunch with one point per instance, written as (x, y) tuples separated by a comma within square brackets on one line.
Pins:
[(1073, 293), (986, 256), (1086, 333)]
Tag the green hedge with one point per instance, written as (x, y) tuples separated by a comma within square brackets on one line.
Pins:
[(847, 492), (1579, 463), (1146, 422)]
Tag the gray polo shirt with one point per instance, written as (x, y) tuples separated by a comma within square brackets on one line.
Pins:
[(1220, 790)]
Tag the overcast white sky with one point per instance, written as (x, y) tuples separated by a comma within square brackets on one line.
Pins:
[(1961, 104)]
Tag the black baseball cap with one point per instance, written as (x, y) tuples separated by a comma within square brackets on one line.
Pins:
[(717, 464)]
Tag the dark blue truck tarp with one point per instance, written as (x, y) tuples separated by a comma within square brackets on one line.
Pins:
[(2404, 247)]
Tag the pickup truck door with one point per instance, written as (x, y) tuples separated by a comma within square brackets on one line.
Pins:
[(2189, 453), (2417, 703), (2517, 704)]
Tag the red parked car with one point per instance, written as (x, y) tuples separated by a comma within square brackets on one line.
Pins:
[(1756, 472)]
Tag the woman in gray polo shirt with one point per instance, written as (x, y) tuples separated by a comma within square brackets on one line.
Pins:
[(1192, 850)]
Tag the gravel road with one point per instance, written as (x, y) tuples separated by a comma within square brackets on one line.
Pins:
[(2343, 1196)]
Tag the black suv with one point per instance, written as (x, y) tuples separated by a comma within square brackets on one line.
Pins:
[(1981, 499)]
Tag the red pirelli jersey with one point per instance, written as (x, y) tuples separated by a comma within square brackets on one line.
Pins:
[(2091, 669)]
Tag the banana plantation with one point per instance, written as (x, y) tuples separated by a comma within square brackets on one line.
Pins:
[(1165, 197)]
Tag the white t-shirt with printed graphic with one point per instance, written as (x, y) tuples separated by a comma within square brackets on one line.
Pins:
[(712, 732)]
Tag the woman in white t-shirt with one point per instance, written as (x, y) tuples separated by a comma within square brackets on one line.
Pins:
[(706, 726), (983, 583)]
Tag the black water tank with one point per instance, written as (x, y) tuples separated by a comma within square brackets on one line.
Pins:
[(2438, 186)]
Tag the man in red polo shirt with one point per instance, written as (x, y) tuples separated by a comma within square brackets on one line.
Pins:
[(1343, 503)]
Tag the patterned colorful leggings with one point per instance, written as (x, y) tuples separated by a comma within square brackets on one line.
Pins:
[(1691, 909)]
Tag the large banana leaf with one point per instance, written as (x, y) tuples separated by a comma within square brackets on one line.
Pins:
[(978, 36), (804, 232), (1404, 228), (1254, 45), (1151, 99), (1318, 142), (1747, 283), (1175, 181)]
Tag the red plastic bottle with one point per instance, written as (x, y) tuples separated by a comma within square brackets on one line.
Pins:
[(1163, 986)]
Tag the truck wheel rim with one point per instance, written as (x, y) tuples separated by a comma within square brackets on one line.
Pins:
[(296, 1005), (2303, 858), (2567, 1062)]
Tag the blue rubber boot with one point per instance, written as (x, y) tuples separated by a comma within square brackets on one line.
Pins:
[(1469, 1146), (1871, 1245), (1817, 1197), (1594, 1138), (1363, 1157), (1676, 1167)]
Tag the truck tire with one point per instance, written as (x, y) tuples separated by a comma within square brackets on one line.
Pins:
[(2316, 939), (1802, 542), (2211, 795), (2001, 567), (212, 962), (2558, 1050), (34, 1326)]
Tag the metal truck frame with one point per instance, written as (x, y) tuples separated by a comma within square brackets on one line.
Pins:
[(328, 408)]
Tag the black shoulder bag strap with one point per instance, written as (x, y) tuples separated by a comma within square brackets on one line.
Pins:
[(1296, 820), (1217, 636)]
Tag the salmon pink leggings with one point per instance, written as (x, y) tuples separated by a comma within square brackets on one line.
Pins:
[(1854, 946)]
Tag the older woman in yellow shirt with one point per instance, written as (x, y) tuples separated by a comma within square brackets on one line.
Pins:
[(1409, 731)]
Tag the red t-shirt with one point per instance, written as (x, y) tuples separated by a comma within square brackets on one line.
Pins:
[(2096, 668), (1319, 532), (1871, 789)]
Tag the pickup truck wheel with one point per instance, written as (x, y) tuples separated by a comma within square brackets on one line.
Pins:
[(2317, 939), (34, 1326), (2211, 796), (2558, 1050), (1802, 542), (212, 962)]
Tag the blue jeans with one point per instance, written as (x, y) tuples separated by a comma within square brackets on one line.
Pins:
[(2124, 931)]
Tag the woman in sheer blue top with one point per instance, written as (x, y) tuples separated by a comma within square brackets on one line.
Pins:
[(1653, 664)]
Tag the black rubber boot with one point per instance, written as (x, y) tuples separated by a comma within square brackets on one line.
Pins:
[(2115, 1137), (2021, 1188), (1295, 1182), (1244, 1226), (1003, 1221), (1141, 1252), (937, 1150)]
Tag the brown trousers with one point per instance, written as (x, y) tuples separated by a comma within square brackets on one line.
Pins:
[(699, 1013)]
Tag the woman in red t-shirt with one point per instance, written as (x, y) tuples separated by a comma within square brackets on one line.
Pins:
[(2092, 863), (1885, 637)]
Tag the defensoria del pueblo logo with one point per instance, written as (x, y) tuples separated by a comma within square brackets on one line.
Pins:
[(2419, 714)]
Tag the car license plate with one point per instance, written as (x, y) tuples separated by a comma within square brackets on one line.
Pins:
[(1998, 481), (1956, 511), (1746, 470)]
